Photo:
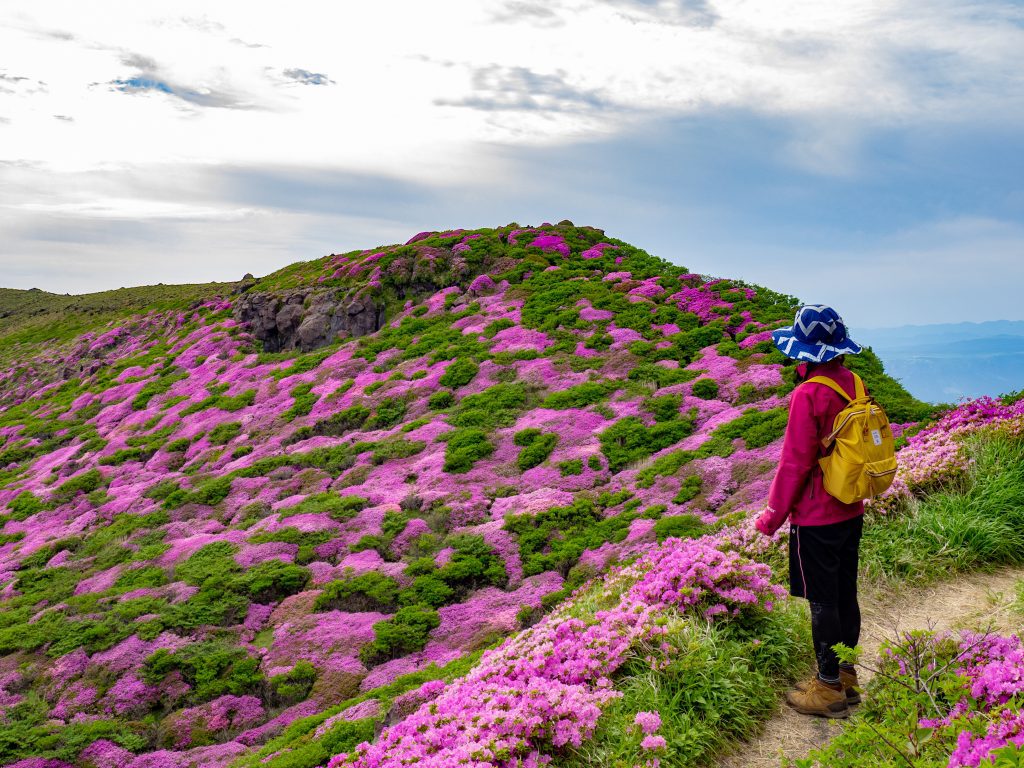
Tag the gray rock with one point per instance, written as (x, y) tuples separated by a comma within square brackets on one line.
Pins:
[(306, 319)]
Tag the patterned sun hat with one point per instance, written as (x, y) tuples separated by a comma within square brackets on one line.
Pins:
[(818, 335)]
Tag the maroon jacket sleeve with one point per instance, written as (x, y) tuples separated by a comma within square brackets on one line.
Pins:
[(799, 456)]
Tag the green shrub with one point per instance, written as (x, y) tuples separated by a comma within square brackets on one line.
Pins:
[(273, 580), (292, 535), (87, 482), (396, 448), (293, 686), (371, 591), (536, 451), (526, 436), (380, 544), (406, 632), (161, 490), (338, 508), (154, 387), (213, 561), (629, 439), (441, 399), (571, 467), (497, 326), (428, 589), (24, 505), (211, 492), (234, 403), (706, 389), (689, 489), (756, 428), (496, 406), (472, 565), (459, 372), (579, 396), (663, 377), (390, 411), (351, 418), (213, 668), (147, 576), (465, 447), (679, 526), (556, 538), (304, 400), (665, 465), (224, 433), (663, 408)]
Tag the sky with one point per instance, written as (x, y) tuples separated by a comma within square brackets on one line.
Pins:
[(864, 153)]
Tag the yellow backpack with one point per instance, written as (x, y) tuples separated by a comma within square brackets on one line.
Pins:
[(862, 462)]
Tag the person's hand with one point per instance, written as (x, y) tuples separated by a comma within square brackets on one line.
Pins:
[(764, 523)]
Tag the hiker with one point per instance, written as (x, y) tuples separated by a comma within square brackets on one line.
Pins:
[(824, 532)]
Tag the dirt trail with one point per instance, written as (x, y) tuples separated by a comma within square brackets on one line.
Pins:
[(979, 600)]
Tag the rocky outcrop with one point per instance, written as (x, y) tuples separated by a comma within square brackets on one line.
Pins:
[(306, 319)]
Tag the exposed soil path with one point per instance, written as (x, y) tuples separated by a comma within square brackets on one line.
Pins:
[(975, 601)]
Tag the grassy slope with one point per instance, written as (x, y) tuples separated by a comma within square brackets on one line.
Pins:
[(35, 317), (36, 320)]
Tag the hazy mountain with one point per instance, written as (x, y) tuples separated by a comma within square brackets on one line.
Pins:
[(950, 361)]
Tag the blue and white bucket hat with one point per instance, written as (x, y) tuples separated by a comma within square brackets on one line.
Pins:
[(818, 335)]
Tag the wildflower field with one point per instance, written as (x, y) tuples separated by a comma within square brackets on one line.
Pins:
[(508, 527)]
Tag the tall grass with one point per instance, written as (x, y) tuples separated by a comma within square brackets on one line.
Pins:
[(979, 525), (723, 681)]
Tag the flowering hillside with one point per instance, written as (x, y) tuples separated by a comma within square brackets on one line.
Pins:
[(207, 546)]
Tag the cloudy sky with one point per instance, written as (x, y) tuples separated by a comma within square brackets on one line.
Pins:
[(866, 153)]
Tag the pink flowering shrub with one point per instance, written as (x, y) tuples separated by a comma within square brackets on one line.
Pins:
[(953, 700)]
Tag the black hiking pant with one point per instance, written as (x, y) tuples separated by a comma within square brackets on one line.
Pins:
[(823, 562)]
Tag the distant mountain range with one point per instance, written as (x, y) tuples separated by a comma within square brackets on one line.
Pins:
[(949, 361)]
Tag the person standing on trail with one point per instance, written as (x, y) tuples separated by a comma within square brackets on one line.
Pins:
[(824, 532)]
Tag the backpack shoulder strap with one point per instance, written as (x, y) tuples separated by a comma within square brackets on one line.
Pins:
[(859, 386), (835, 387)]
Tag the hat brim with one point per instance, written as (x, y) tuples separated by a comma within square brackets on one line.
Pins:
[(792, 347)]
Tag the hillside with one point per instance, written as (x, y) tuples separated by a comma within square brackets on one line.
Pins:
[(254, 523)]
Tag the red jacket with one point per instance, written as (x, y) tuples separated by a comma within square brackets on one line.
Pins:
[(797, 491)]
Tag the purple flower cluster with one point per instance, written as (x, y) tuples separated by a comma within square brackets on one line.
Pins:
[(988, 714)]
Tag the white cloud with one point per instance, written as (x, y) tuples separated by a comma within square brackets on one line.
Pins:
[(133, 209), (859, 61)]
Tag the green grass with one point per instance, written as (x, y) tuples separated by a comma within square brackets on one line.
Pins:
[(36, 316), (954, 531)]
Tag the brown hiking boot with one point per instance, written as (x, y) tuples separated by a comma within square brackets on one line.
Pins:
[(817, 698), (850, 685)]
